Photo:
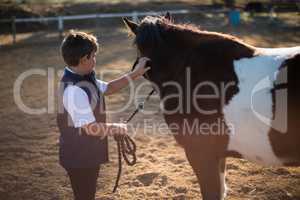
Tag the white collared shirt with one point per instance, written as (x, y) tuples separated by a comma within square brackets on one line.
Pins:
[(76, 103)]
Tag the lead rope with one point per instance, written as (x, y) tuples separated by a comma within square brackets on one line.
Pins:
[(126, 145)]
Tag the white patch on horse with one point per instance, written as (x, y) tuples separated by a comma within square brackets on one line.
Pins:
[(250, 137)]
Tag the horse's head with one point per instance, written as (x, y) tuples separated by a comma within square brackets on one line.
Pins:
[(151, 41), (149, 33), (174, 47)]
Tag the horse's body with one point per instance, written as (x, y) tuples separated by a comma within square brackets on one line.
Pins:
[(248, 96)]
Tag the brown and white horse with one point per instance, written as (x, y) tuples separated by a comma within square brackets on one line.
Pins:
[(252, 93)]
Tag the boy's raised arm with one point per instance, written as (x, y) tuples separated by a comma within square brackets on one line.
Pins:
[(119, 83)]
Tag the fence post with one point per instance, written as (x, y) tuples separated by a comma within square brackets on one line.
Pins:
[(272, 14), (13, 29), (60, 26), (135, 16)]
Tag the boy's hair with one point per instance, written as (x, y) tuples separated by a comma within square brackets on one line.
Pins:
[(76, 45)]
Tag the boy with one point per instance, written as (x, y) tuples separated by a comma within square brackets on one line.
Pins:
[(81, 117)]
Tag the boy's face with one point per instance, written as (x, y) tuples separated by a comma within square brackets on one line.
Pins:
[(88, 62)]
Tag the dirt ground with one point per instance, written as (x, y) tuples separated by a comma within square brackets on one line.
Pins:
[(29, 166)]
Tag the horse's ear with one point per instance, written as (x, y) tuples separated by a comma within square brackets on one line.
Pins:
[(168, 16), (131, 25)]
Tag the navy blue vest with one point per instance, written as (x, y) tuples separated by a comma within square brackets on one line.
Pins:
[(76, 148)]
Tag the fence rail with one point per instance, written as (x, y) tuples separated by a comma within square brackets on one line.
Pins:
[(96, 15), (60, 19)]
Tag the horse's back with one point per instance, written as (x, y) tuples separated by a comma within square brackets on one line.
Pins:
[(281, 52)]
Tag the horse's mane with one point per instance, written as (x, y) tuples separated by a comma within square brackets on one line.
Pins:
[(157, 31)]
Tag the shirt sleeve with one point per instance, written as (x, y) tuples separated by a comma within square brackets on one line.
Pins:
[(102, 85), (76, 103)]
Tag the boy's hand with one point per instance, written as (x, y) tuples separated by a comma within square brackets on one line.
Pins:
[(141, 68), (118, 129), (117, 84)]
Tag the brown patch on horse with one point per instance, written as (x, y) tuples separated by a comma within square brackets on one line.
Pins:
[(172, 46)]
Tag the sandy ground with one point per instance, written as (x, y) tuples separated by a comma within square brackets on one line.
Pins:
[(29, 166)]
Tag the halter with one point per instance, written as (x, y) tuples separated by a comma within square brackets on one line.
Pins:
[(126, 146)]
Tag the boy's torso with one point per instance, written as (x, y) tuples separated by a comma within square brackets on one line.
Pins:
[(77, 149)]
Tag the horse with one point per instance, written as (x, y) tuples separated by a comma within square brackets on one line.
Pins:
[(235, 100)]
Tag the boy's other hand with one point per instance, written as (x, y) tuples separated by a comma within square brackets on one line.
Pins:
[(141, 68), (118, 129)]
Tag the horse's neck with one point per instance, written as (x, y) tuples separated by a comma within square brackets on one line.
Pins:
[(213, 41)]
